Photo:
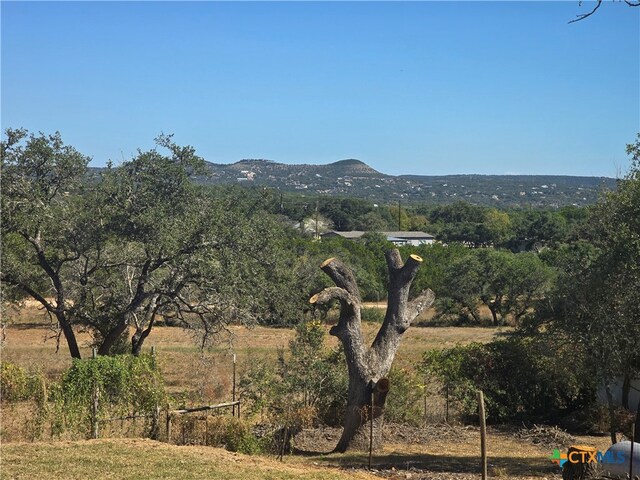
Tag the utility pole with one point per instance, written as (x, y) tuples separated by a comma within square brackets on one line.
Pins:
[(399, 216), (317, 235)]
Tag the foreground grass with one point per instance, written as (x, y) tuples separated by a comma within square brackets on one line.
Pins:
[(147, 459)]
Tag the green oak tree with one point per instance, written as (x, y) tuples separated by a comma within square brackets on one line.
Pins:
[(115, 251)]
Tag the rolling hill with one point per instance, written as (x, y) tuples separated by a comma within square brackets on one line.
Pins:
[(354, 178)]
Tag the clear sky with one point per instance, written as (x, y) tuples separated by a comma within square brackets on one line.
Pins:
[(407, 87)]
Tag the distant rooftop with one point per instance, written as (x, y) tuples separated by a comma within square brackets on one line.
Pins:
[(353, 234)]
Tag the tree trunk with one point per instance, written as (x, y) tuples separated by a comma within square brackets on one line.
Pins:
[(612, 413), (494, 313), (138, 339), (111, 337), (69, 335), (142, 333), (626, 388), (368, 366)]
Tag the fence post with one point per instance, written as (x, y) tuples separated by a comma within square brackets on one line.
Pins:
[(168, 426), (234, 387), (155, 419), (371, 430), (425, 400), (483, 434), (446, 412), (631, 452), (94, 401)]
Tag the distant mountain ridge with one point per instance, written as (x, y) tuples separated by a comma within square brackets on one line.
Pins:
[(354, 178)]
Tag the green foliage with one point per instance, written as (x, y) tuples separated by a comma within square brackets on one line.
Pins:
[(403, 403), (364, 256), (238, 437), (510, 285), (372, 314), (16, 384), (595, 300), (522, 378), (124, 384), (137, 242), (306, 384)]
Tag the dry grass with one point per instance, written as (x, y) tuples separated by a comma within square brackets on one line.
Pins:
[(206, 375), (146, 459)]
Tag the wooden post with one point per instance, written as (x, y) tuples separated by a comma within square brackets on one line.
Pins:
[(168, 427), (94, 401), (483, 434), (285, 434), (446, 396), (425, 401), (155, 423), (371, 430), (94, 412), (155, 420), (233, 395), (636, 425)]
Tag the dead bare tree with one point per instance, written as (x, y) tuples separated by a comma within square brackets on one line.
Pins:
[(368, 366)]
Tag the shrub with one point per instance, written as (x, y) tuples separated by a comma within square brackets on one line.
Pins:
[(403, 401), (125, 384), (13, 382), (522, 378), (233, 434), (16, 384), (307, 384), (372, 314)]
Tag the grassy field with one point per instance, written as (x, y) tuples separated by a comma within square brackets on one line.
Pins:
[(31, 343), (147, 459)]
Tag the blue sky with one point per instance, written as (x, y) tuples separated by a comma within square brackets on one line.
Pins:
[(407, 87)]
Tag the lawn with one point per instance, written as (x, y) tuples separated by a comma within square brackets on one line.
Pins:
[(146, 459)]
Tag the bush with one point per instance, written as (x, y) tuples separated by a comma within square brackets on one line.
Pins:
[(372, 314), (522, 378), (16, 384), (403, 401), (307, 384), (126, 384), (13, 382)]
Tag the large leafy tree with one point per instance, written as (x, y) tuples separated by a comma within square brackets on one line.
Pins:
[(135, 242), (510, 285), (597, 296), (41, 185)]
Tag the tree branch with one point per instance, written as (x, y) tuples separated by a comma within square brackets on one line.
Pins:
[(394, 260), (334, 293), (341, 275), (410, 268), (29, 291), (420, 304), (585, 15)]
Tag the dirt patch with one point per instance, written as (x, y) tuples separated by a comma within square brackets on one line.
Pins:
[(444, 452)]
